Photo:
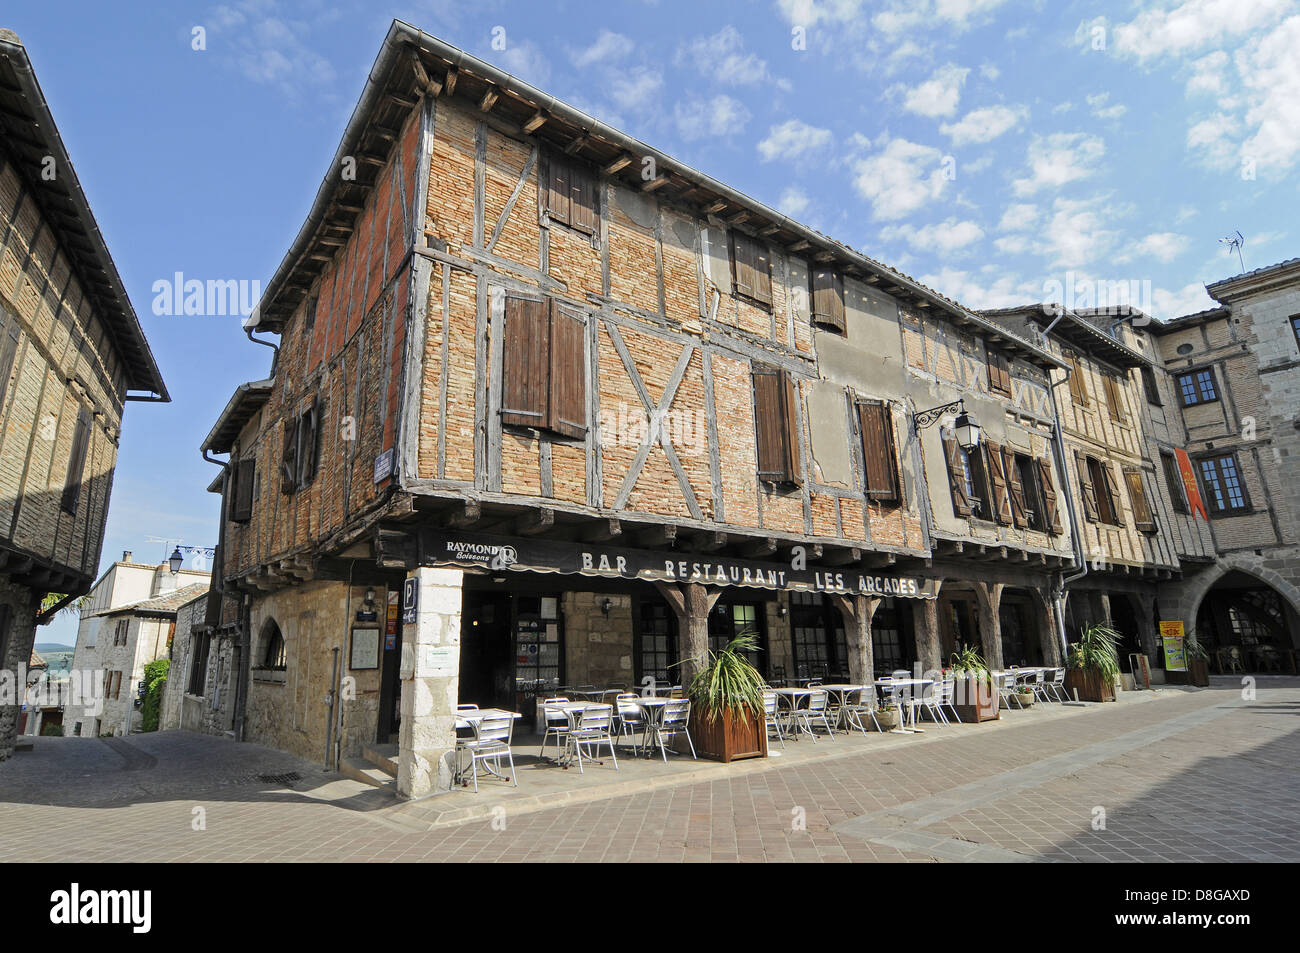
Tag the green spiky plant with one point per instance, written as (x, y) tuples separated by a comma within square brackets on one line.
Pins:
[(968, 663), (1097, 650), (728, 681)]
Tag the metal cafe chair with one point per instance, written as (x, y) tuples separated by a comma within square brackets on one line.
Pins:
[(491, 742), (802, 717), (674, 720), (1006, 683), (930, 700), (630, 717), (592, 728), (556, 721), (852, 712), (1056, 685), (772, 715)]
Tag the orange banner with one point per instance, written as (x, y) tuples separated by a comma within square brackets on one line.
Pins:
[(1190, 486)]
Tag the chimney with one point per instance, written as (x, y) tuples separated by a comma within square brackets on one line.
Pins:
[(126, 555)]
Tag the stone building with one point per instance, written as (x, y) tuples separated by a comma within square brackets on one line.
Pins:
[(72, 353), (204, 677), (127, 621), (1234, 370)]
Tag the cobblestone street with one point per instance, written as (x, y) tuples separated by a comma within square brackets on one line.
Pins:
[(1177, 775)]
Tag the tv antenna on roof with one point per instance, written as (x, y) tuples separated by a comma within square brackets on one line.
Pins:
[(1234, 243)]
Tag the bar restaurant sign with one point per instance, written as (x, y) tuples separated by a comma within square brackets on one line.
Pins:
[(509, 554)]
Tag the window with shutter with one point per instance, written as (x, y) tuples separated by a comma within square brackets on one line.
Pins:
[(1116, 517), (1114, 399), (571, 194), (1137, 497), (1078, 386), (76, 463), (1016, 488), (1047, 491), (568, 391), (879, 459), (289, 457), (558, 190), (828, 300), (957, 477), (751, 268), (526, 347), (242, 508), (1087, 491), (8, 350), (999, 368), (308, 444), (998, 484), (1151, 386), (1174, 480), (775, 425)]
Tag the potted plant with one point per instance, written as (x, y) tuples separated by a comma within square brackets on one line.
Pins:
[(1024, 695), (1198, 661), (976, 696), (889, 717), (727, 721), (1092, 664)]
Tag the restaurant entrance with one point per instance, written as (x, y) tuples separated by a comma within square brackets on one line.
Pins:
[(511, 649)]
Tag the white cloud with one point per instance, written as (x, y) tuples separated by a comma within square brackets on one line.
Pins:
[(1188, 299), (810, 13), (1164, 247), (941, 239), (1018, 217), (722, 58), (1209, 75), (903, 16), (984, 124), (793, 202), (268, 48), (1195, 24), (899, 177), (716, 116), (1213, 137), (1077, 234), (1099, 104), (974, 292), (636, 88), (989, 71), (1270, 70), (792, 139), (938, 95), (608, 46), (1058, 159), (526, 61)]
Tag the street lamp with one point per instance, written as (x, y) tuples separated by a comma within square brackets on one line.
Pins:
[(176, 560), (966, 428)]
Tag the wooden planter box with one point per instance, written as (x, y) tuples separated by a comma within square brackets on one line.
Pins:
[(1092, 687), (1198, 672), (727, 738), (976, 701)]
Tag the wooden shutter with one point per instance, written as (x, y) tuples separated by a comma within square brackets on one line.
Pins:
[(1019, 516), (1112, 494), (526, 362), (76, 463), (558, 190), (289, 457), (8, 349), (998, 480), (751, 268), (880, 464), (762, 260), (1047, 492), (1086, 489), (1142, 517), (1078, 386), (1114, 403), (568, 376), (828, 300), (775, 425), (956, 477), (999, 373), (1152, 387), (582, 198), (1174, 479), (308, 430), (242, 508)]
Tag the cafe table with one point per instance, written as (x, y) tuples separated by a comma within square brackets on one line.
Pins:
[(652, 713), (840, 693), (470, 718), (912, 686)]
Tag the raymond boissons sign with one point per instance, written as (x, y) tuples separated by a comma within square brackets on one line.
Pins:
[(509, 554)]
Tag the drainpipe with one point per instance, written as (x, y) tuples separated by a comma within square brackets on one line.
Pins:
[(275, 355)]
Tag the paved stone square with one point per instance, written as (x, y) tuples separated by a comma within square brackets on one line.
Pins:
[(1174, 775)]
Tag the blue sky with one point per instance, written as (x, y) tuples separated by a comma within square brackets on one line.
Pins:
[(988, 147)]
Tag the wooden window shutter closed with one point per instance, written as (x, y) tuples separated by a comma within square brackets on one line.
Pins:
[(8, 349), (1019, 516), (742, 265), (998, 481), (289, 457), (1112, 495), (1078, 387), (242, 510), (956, 477), (525, 362), (568, 390), (1047, 490), (790, 414), (1152, 387), (774, 426), (762, 260), (558, 190), (880, 465), (1174, 478), (1113, 399), (582, 199), (1087, 490), (76, 463), (828, 300), (999, 373), (1142, 517), (308, 430)]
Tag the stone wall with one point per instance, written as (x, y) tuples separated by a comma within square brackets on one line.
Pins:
[(598, 647), (15, 653)]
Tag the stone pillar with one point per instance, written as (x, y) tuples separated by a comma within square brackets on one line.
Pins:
[(430, 681), (17, 633), (925, 616), (989, 597), (857, 612), (1145, 604), (691, 602)]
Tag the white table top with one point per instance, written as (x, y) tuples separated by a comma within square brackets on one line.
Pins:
[(463, 718), (792, 691), (887, 682), (844, 688)]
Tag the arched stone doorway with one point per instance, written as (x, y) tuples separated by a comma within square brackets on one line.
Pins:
[(1247, 625)]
